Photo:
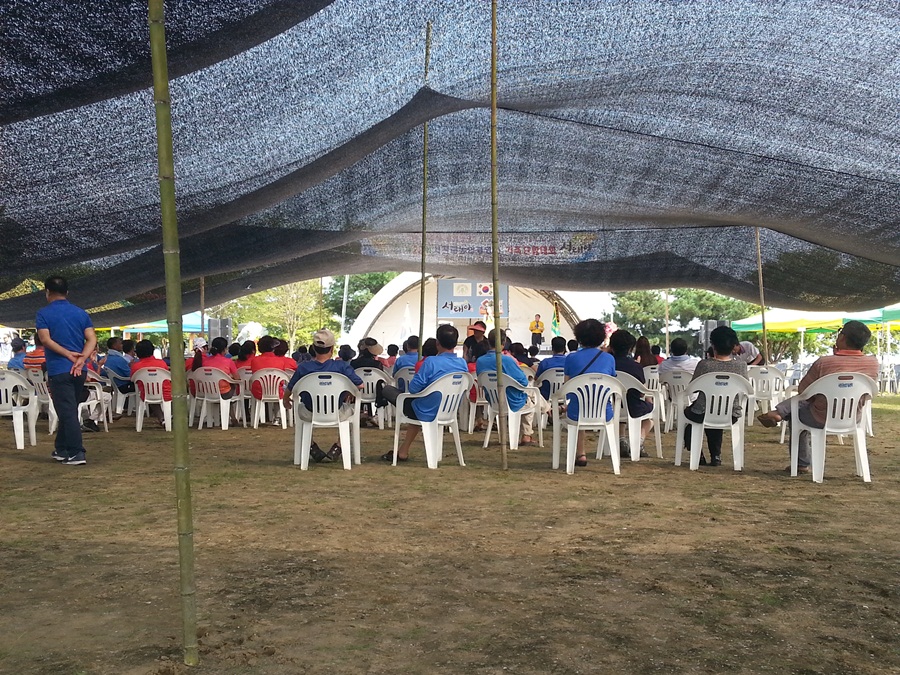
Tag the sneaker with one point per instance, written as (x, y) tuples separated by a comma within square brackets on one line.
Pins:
[(702, 460), (90, 425), (643, 452), (715, 461), (624, 449), (334, 454), (76, 459), (59, 456)]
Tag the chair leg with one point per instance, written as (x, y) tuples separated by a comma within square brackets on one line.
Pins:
[(612, 438), (679, 437), (737, 446), (634, 437), (19, 428), (557, 440), (514, 425), (431, 432), (167, 414), (571, 447), (795, 445), (818, 439), (454, 429), (302, 441), (658, 435), (346, 436), (396, 439), (139, 417), (862, 455), (491, 419), (696, 444)]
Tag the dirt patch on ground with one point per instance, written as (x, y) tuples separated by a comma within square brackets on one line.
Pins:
[(384, 570)]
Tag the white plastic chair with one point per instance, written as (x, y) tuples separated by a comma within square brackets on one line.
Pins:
[(651, 381), (887, 378), (123, 403), (101, 385), (555, 377), (488, 383), (244, 396), (152, 381), (720, 390), (11, 405), (207, 393), (595, 393), (634, 423), (325, 390), (453, 388), (674, 382), (371, 377), (272, 382), (768, 390), (403, 377), (844, 393), (472, 407)]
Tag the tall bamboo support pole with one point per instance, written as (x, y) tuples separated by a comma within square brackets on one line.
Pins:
[(424, 195), (762, 300), (344, 304), (667, 322), (203, 306), (172, 261), (495, 243)]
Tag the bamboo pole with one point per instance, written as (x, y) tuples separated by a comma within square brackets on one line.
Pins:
[(667, 322), (495, 243), (762, 300), (424, 195), (172, 261), (203, 306), (344, 304)]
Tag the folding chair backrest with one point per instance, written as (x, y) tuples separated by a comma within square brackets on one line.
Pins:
[(594, 392), (651, 378), (845, 393), (271, 383), (370, 377), (324, 390), (150, 383), (720, 390)]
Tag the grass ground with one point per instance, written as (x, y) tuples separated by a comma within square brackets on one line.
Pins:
[(382, 569)]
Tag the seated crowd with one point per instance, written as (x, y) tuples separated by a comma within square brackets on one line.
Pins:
[(592, 351)]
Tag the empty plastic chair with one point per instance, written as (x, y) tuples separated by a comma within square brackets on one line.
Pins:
[(18, 399)]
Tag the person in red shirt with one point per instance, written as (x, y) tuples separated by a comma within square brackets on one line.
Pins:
[(246, 355), (281, 349), (145, 359), (218, 358), (268, 359)]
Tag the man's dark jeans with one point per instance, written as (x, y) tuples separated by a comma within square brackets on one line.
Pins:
[(66, 392)]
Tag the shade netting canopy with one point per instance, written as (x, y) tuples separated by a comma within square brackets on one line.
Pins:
[(641, 144)]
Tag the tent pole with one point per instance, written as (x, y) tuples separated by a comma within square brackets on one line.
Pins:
[(762, 299), (424, 195), (172, 261), (202, 306), (344, 304), (667, 322), (495, 244)]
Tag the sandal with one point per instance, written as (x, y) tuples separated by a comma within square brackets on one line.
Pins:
[(581, 460), (389, 457)]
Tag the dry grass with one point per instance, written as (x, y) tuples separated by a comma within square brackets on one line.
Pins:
[(471, 569)]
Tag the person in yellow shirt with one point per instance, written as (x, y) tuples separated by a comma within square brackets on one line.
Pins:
[(537, 330)]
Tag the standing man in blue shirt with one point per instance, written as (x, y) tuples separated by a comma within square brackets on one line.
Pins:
[(68, 337), (425, 409)]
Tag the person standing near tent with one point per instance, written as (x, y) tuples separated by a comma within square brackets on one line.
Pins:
[(746, 351), (68, 336), (537, 330)]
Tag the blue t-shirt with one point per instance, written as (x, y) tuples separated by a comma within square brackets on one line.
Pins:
[(426, 408), (66, 324), (405, 360), (329, 366), (488, 364), (577, 364), (555, 361), (17, 362), (116, 364)]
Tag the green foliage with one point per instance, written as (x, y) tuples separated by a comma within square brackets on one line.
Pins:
[(644, 312), (293, 311), (693, 303), (362, 288)]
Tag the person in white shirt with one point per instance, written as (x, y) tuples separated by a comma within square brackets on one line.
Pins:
[(748, 353), (679, 360)]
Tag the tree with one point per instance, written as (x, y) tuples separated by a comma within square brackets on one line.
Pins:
[(692, 303), (362, 288), (293, 311), (640, 312)]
